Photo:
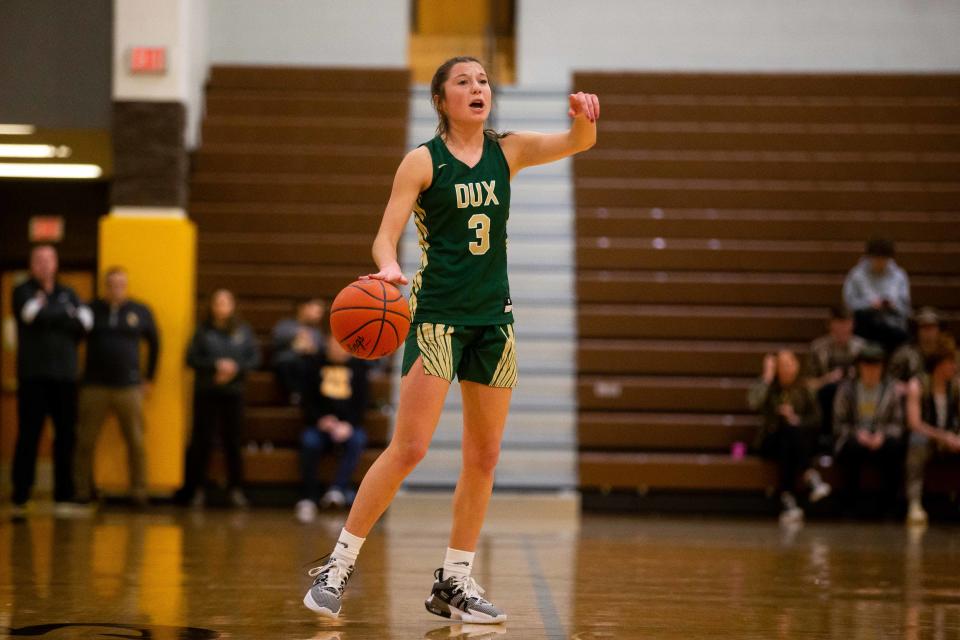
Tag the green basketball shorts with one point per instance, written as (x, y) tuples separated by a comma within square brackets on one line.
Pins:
[(486, 354)]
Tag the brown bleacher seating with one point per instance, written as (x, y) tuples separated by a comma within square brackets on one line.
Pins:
[(749, 288), (287, 190), (716, 219)]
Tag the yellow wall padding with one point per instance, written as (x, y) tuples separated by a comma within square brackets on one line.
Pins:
[(159, 253)]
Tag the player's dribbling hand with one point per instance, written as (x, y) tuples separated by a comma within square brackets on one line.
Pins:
[(584, 104), (390, 273)]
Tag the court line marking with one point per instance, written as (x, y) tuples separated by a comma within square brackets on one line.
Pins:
[(548, 609)]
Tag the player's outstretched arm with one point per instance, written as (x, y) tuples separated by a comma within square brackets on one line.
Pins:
[(527, 148), (413, 176)]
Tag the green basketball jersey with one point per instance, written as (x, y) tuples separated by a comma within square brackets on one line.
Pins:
[(461, 221)]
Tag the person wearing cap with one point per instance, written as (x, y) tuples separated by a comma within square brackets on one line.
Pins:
[(933, 416), (877, 291), (909, 360), (830, 360), (868, 427)]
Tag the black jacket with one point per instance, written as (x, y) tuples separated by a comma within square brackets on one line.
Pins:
[(113, 346), (333, 388), (767, 398), (209, 344), (47, 341)]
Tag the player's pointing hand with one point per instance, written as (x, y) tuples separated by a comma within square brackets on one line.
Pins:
[(584, 104)]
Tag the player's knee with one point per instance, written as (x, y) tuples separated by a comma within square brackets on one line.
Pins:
[(408, 454), (482, 461)]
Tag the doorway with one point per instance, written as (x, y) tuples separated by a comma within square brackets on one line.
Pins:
[(485, 29)]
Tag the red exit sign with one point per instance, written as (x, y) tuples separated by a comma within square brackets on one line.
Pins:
[(148, 60), (46, 229)]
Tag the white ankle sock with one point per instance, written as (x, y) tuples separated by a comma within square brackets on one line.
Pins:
[(347, 547), (457, 563)]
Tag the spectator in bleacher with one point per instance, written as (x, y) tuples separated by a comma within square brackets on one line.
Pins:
[(831, 359), (113, 382), (908, 361), (868, 427), (933, 407), (790, 427), (223, 350), (334, 403), (877, 290), (295, 341), (50, 323)]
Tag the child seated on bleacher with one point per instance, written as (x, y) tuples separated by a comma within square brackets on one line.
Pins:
[(831, 360), (868, 426), (334, 400)]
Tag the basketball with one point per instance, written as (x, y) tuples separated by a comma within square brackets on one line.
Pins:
[(370, 318)]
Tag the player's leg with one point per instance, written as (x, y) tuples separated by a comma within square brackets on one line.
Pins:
[(487, 375), (430, 357), (418, 412), (430, 354), (455, 594), (485, 412)]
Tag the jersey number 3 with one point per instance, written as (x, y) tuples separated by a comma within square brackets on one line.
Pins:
[(480, 222)]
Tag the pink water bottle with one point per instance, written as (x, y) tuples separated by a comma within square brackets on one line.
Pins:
[(738, 450)]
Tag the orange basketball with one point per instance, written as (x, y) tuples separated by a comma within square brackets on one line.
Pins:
[(370, 318)]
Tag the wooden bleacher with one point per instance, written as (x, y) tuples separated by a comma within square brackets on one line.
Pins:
[(287, 191), (716, 219)]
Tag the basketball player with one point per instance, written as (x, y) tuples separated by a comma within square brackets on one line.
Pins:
[(458, 187)]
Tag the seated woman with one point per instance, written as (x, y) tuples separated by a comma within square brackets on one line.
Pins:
[(933, 405), (334, 399), (868, 426), (791, 423)]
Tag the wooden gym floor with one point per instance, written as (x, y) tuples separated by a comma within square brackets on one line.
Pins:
[(172, 574)]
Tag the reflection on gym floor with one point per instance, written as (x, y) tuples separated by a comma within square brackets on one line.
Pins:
[(172, 574)]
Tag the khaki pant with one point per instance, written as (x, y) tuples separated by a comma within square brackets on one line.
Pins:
[(96, 402), (923, 452), (918, 454)]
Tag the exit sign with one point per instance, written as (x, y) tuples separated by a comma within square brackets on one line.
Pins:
[(148, 60), (45, 229)]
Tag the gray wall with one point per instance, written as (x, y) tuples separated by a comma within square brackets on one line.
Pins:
[(370, 33), (819, 36), (55, 63)]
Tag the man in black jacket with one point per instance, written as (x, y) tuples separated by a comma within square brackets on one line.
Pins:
[(50, 323), (114, 383)]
